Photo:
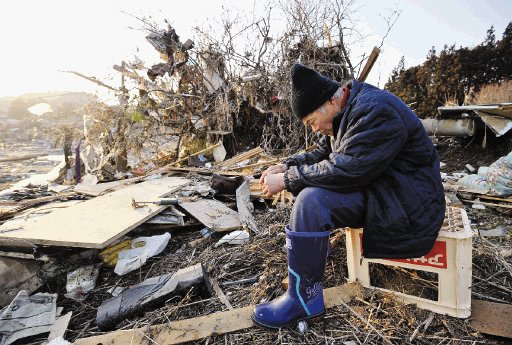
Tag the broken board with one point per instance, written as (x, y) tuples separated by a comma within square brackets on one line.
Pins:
[(177, 332), (492, 318), (94, 223), (100, 188), (213, 214)]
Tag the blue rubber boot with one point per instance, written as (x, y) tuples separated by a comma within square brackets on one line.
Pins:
[(307, 252)]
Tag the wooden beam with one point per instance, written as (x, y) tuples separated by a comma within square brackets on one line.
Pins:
[(494, 198), (220, 294), (369, 64), (492, 318), (177, 332)]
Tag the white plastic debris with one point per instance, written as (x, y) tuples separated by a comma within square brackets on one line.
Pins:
[(478, 206), (219, 153), (496, 232), (302, 327), (80, 282), (206, 232), (59, 341), (116, 291), (131, 259), (235, 237), (459, 174)]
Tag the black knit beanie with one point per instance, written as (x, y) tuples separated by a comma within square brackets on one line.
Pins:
[(310, 90)]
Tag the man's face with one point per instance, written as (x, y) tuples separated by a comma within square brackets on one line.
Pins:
[(320, 120)]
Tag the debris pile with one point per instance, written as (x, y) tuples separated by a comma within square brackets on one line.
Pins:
[(154, 228), (199, 244)]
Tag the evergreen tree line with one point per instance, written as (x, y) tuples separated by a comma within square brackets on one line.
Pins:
[(453, 75)]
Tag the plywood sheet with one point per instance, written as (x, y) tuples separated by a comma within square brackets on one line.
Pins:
[(94, 223), (213, 214), (100, 188)]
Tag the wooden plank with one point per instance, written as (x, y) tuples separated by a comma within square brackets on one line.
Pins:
[(220, 294), (241, 157), (60, 326), (25, 256), (205, 171), (99, 188), (492, 318), (488, 204), (213, 214), (93, 223), (177, 332), (494, 198)]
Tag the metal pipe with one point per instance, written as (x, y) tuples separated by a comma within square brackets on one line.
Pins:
[(450, 128)]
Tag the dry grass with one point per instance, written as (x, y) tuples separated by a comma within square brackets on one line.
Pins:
[(493, 93)]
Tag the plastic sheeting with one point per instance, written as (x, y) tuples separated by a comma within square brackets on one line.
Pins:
[(497, 177)]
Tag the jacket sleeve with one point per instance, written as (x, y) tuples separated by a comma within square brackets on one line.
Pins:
[(374, 136), (320, 153)]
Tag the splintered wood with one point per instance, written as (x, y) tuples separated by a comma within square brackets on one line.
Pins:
[(283, 197)]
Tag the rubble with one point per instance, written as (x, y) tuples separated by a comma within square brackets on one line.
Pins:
[(81, 281), (149, 292), (27, 316), (170, 139), (141, 248)]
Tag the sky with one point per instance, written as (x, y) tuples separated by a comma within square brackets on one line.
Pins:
[(40, 39)]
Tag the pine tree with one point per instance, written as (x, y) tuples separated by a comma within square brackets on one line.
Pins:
[(454, 73)]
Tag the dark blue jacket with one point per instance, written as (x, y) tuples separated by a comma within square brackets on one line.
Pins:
[(380, 147)]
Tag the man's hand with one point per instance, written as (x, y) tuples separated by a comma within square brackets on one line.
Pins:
[(273, 184), (274, 169)]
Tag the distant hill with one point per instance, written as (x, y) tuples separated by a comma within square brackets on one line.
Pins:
[(5, 103), (57, 100)]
